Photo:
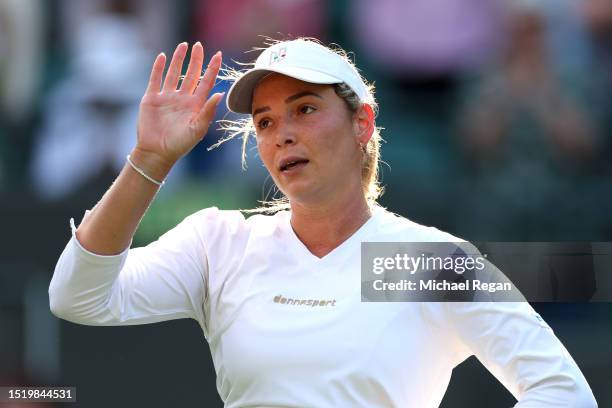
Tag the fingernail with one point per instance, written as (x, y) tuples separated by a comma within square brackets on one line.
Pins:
[(197, 43)]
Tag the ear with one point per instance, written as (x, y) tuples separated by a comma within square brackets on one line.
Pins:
[(364, 124)]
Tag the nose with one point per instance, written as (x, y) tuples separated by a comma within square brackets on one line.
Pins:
[(286, 134)]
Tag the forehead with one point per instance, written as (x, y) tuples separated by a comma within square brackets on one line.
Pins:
[(276, 86)]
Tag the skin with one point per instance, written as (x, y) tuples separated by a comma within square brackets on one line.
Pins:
[(172, 120), (327, 201), (295, 118)]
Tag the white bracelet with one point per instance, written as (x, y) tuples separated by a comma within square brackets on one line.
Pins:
[(143, 174)]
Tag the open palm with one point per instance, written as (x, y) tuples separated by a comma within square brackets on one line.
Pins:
[(173, 120)]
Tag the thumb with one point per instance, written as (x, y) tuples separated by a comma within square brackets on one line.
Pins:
[(207, 113)]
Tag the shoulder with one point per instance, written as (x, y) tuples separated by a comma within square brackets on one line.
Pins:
[(395, 227), (212, 220)]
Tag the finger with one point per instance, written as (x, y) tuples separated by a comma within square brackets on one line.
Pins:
[(157, 72), (176, 65), (194, 69), (208, 80), (207, 113)]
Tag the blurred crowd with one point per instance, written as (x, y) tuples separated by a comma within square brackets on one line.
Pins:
[(497, 117), (497, 114)]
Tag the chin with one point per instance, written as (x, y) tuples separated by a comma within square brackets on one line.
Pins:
[(303, 194), (297, 195)]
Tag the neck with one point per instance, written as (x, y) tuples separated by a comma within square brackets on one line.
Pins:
[(324, 227)]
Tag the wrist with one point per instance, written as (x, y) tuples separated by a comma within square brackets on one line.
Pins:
[(151, 163)]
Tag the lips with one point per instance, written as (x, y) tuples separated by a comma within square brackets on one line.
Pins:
[(289, 163)]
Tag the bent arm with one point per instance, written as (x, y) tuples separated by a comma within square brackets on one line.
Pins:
[(97, 280), (171, 122), (162, 281), (522, 352)]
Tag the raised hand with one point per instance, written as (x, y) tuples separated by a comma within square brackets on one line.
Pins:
[(173, 120)]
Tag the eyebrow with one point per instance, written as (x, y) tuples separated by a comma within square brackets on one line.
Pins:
[(288, 100)]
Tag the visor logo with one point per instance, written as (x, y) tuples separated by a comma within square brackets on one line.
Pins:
[(277, 56)]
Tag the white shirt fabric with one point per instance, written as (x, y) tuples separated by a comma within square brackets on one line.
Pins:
[(324, 348)]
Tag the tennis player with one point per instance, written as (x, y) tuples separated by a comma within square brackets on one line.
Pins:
[(278, 296)]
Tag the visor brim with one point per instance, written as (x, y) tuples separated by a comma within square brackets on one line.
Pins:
[(240, 96)]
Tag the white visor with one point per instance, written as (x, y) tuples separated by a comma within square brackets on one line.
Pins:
[(301, 59)]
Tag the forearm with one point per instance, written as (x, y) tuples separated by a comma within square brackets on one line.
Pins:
[(109, 227), (522, 352)]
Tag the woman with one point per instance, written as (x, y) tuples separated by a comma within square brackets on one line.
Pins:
[(278, 296)]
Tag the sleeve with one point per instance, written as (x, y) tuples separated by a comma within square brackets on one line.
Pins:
[(162, 281), (513, 342)]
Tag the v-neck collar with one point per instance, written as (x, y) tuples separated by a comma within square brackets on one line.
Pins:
[(305, 253)]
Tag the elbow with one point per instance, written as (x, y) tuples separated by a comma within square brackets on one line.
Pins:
[(62, 308), (62, 303), (584, 397), (81, 287), (80, 307), (581, 393), (574, 393), (59, 290), (58, 308)]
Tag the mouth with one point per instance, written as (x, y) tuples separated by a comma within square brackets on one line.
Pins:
[(292, 164)]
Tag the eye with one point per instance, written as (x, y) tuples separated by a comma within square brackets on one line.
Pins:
[(263, 123), (307, 109)]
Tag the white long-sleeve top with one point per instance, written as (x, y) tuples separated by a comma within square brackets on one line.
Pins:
[(289, 329)]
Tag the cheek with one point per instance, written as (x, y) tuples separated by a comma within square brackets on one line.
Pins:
[(337, 141), (266, 154), (329, 131)]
